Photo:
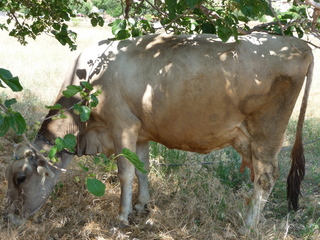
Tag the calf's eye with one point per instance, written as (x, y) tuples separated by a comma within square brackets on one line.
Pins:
[(20, 179)]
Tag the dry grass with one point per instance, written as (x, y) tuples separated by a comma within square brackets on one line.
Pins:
[(189, 202)]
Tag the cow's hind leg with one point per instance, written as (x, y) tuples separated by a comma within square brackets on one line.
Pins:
[(143, 194), (266, 171)]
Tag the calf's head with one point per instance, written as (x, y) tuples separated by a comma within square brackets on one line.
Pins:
[(30, 181)]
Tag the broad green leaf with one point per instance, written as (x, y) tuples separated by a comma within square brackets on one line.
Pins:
[(70, 141), (135, 32), (171, 5), (14, 84), (5, 74), (94, 22), (134, 159), (4, 125), (123, 34), (118, 25), (224, 32), (208, 28), (95, 187), (85, 113), (94, 101), (77, 109), (87, 85), (56, 106), (10, 102), (20, 123), (52, 153), (72, 90), (59, 143)]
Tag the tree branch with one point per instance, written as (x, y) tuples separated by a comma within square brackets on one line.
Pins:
[(312, 3)]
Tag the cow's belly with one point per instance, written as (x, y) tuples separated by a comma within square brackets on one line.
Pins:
[(195, 132)]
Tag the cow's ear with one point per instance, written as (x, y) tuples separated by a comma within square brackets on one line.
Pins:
[(44, 170), (81, 74)]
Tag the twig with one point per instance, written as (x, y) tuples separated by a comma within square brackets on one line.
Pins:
[(155, 7), (40, 154)]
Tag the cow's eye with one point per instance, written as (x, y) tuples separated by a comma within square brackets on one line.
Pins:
[(21, 179)]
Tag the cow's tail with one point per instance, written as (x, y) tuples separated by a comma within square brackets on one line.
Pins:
[(297, 170)]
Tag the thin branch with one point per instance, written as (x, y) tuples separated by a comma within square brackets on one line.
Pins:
[(312, 3), (41, 155), (156, 8)]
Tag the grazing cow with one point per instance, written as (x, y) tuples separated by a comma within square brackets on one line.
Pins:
[(188, 92)]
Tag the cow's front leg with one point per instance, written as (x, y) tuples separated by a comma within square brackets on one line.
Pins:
[(126, 136), (143, 195), (126, 176)]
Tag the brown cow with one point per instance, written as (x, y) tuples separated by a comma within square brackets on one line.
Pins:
[(188, 92)]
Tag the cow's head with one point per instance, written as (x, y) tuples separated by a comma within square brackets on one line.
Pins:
[(30, 181)]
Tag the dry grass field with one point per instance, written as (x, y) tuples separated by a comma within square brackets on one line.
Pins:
[(198, 201)]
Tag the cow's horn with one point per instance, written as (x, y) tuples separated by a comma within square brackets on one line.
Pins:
[(45, 171)]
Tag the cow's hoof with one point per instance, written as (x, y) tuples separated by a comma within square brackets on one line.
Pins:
[(244, 231), (123, 220), (140, 207)]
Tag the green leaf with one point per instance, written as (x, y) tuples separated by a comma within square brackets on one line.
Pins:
[(72, 90), (85, 113), (20, 123), (123, 34), (118, 25), (94, 22), (11, 82), (59, 143), (87, 85), (96, 160), (56, 106), (4, 125), (70, 141), (52, 153), (10, 102), (83, 167), (171, 5), (95, 187), (135, 32), (94, 101), (5, 74), (134, 159), (224, 33)]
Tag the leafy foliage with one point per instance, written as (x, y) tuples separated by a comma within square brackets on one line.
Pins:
[(33, 17), (224, 18), (94, 185), (8, 117)]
